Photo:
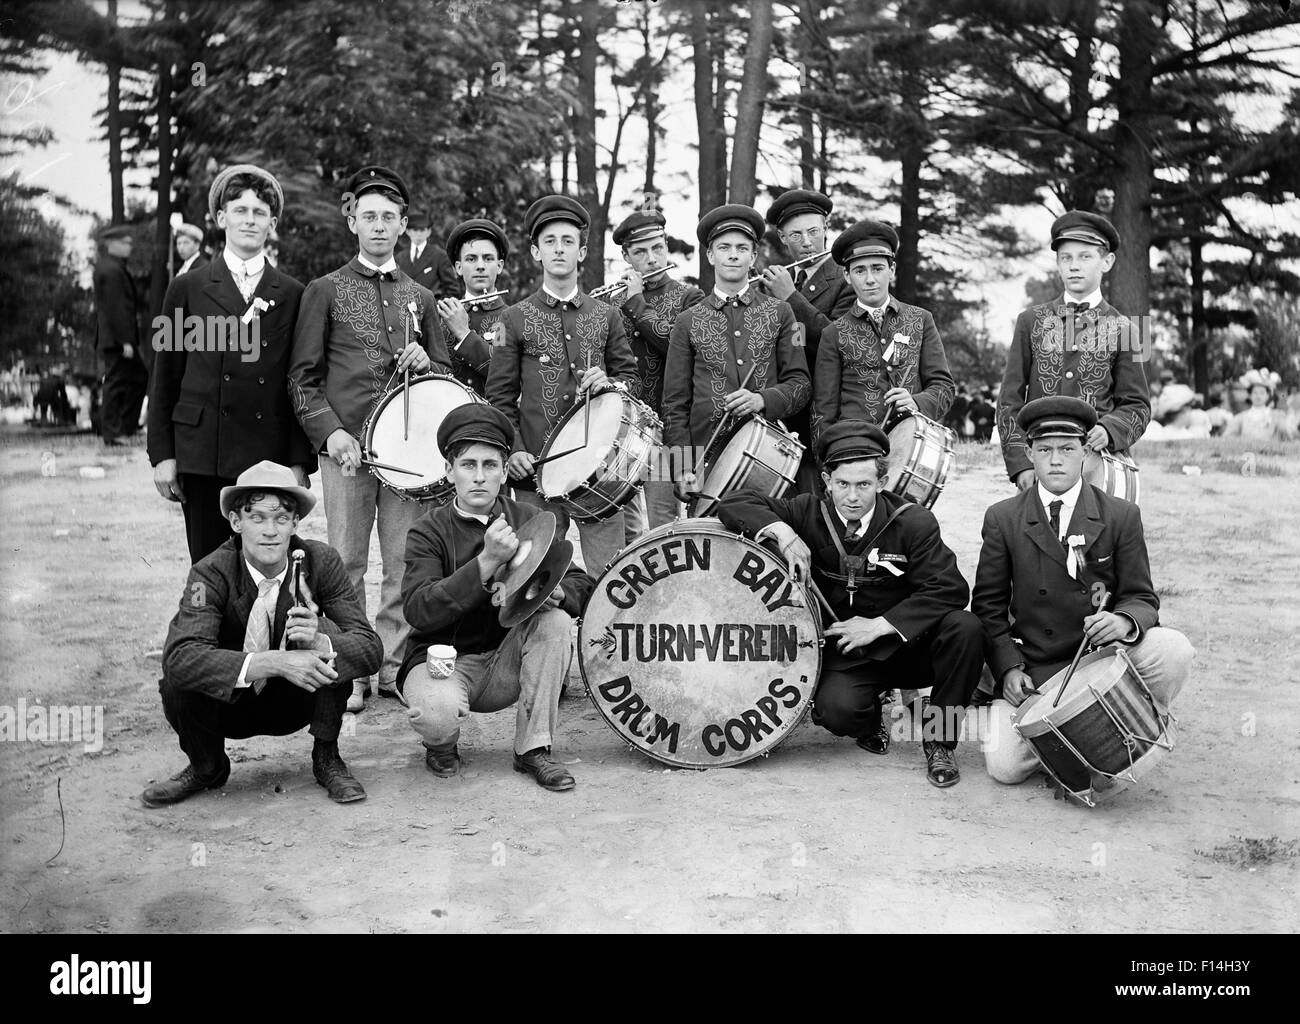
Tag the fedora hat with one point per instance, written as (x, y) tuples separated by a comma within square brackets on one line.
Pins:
[(267, 476)]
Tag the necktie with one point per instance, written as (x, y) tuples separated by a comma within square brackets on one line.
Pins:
[(415, 253), (241, 282), (257, 636), (1077, 307), (877, 315), (854, 525), (1054, 515), (800, 279)]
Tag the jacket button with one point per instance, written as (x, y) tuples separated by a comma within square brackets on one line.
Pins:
[(1069, 374), (225, 412), (259, 415), (737, 334), (385, 302), (225, 376), (1042, 591), (390, 328), (1048, 632), (261, 380)]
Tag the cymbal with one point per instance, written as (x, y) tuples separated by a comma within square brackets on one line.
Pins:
[(539, 586)]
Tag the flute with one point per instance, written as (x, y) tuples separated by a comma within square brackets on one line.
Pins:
[(797, 263), (485, 297), (609, 289)]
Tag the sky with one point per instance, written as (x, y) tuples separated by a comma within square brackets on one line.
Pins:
[(69, 95)]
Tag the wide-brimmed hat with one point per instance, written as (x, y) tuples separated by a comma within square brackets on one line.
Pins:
[(267, 476)]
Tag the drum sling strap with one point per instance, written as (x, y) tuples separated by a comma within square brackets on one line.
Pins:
[(851, 565)]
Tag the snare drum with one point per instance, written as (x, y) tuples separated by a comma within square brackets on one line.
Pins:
[(920, 455), (1106, 733), (1114, 473), (592, 481), (699, 647), (754, 454), (432, 397)]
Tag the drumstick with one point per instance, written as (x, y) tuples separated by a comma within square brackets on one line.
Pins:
[(390, 468), (406, 404), (1069, 672), (817, 593)]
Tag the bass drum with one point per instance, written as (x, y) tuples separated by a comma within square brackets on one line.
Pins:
[(699, 647)]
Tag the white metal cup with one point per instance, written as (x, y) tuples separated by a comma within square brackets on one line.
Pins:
[(442, 660)]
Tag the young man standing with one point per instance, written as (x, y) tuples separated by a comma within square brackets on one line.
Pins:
[(189, 247), (479, 249), (423, 261), (650, 309), (452, 555), (737, 336), (359, 329), (117, 338), (213, 413), (558, 346), (1079, 345), (882, 360)]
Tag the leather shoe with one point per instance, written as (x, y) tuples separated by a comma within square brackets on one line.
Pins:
[(183, 785), (941, 764), (548, 774), (444, 762), (330, 771), (876, 742)]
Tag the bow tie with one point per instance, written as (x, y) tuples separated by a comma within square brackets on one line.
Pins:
[(1078, 307)]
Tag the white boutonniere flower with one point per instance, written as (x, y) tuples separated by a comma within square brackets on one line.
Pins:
[(256, 308), (893, 351)]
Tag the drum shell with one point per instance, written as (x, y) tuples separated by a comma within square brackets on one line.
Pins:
[(1104, 684), (608, 488), (422, 446), (662, 647), (755, 456), (1115, 473), (919, 471)]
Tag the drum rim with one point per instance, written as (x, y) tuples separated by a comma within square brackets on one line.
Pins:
[(723, 441), (648, 417), (437, 489), (713, 528)]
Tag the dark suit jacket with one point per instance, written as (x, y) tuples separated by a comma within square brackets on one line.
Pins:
[(217, 413), (930, 587), (1098, 356), (200, 261), (205, 642), (1023, 591), (435, 271), (443, 597), (117, 304)]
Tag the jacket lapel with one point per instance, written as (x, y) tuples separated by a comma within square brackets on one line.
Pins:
[(220, 288), (1037, 528), (1087, 517)]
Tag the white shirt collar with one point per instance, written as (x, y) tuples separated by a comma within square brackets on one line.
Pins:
[(862, 525), (258, 577), (1068, 500), (251, 267), (867, 309), (388, 268), (723, 297), (562, 298), (1094, 300), (455, 507)]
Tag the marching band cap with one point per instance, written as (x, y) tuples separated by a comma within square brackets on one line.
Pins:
[(865, 238), (467, 230), (796, 201), (417, 221), (1079, 226), (266, 476), (373, 178), (220, 182), (732, 217), (191, 231), (552, 208), (848, 440), (475, 421), (115, 231), (640, 226), (1057, 416)]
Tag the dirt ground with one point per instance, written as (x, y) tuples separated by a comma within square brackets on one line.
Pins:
[(818, 837)]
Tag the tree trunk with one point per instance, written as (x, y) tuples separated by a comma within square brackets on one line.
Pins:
[(115, 130), (807, 155), (1130, 278), (650, 104), (163, 228), (749, 104), (593, 268), (711, 175), (1200, 361), (912, 157)]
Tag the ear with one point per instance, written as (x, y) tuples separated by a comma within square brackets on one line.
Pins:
[(537, 253), (235, 524), (221, 218), (1107, 262), (582, 254)]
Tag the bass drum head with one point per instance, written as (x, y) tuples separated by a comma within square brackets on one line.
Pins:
[(566, 474), (698, 647), (432, 397)]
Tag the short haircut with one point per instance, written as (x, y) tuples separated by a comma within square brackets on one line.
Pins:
[(456, 256), (241, 183), (458, 448), (249, 498), (583, 233), (881, 461)]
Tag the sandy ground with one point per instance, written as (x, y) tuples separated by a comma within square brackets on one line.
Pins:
[(819, 836)]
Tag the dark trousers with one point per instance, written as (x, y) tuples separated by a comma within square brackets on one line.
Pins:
[(206, 529), (948, 657), (125, 384), (204, 723)]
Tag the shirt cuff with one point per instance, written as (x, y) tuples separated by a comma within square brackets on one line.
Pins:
[(766, 532), (243, 682), (894, 628)]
